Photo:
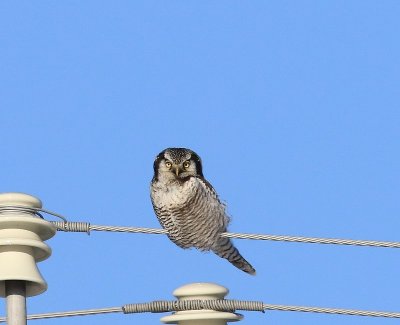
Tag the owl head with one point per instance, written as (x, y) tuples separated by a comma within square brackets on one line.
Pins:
[(177, 163)]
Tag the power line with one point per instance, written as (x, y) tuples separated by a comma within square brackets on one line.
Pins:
[(217, 305), (85, 312), (87, 227), (321, 310), (73, 226)]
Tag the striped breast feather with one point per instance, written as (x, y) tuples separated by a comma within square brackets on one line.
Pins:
[(168, 221)]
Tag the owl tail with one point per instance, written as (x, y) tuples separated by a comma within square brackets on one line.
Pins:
[(225, 249)]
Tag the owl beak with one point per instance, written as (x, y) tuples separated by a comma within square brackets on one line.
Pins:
[(177, 170)]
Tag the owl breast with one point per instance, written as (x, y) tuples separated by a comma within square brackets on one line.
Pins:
[(190, 211)]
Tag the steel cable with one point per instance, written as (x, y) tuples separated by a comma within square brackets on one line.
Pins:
[(87, 227), (216, 305)]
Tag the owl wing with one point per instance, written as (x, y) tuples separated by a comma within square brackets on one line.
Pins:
[(209, 189), (216, 209)]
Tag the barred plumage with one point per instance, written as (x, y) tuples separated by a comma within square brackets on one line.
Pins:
[(188, 207)]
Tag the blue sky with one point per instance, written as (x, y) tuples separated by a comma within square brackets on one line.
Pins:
[(293, 106)]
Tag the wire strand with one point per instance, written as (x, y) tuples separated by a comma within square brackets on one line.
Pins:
[(338, 311), (30, 209), (87, 227), (217, 305), (71, 313)]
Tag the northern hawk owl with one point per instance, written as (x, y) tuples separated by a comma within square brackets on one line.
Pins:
[(188, 207)]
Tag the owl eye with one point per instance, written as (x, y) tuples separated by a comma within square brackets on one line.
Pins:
[(168, 164), (186, 164)]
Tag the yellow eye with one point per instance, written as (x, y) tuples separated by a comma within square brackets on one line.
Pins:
[(186, 164), (168, 164)]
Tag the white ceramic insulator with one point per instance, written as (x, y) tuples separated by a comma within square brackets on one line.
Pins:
[(201, 291), (21, 242)]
